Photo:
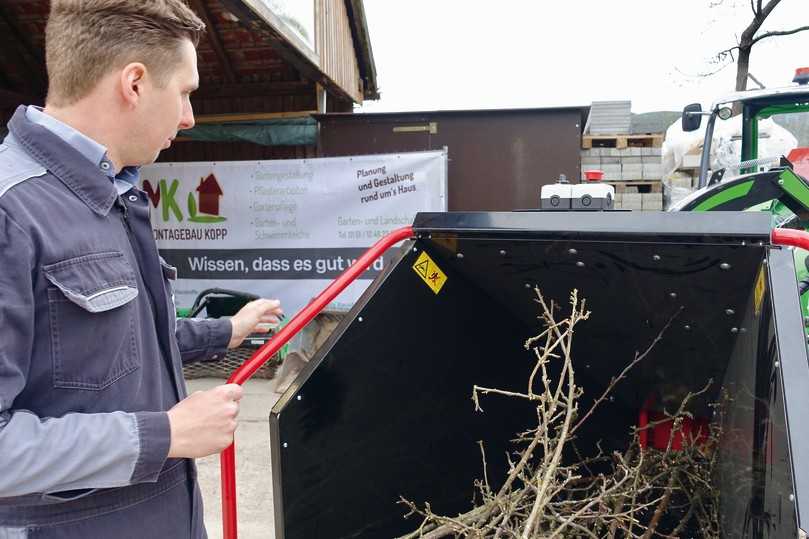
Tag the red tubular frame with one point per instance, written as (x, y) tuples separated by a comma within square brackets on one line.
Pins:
[(227, 459), (790, 236)]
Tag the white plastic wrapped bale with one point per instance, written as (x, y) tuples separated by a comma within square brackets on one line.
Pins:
[(682, 149), (677, 186), (774, 141)]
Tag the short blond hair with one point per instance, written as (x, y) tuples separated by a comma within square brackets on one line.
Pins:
[(86, 39)]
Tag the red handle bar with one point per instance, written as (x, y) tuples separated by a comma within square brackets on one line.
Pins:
[(790, 236), (227, 459)]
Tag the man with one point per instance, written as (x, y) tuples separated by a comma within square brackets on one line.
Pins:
[(96, 430)]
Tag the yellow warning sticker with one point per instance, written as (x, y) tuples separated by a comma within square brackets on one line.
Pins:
[(761, 286), (429, 272)]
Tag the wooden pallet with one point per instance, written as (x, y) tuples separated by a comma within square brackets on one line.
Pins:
[(621, 141), (644, 186)]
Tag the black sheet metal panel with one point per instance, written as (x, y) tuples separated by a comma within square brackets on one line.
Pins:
[(655, 227), (755, 470), (794, 369), (383, 411)]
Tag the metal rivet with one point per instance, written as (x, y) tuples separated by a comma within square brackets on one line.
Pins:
[(724, 266), (527, 285), (792, 497), (734, 330), (414, 249), (776, 364), (743, 330), (612, 398), (656, 258), (459, 255), (359, 319), (299, 397), (730, 312), (673, 295), (105, 165), (502, 252), (286, 444), (580, 264), (133, 198), (572, 251), (687, 327), (780, 182)]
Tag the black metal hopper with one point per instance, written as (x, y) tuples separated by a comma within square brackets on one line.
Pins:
[(384, 410)]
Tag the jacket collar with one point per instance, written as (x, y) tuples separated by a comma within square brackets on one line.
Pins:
[(86, 180)]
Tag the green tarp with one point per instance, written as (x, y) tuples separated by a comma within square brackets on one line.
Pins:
[(281, 132)]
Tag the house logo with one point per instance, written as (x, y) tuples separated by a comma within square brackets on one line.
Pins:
[(209, 193), (202, 204)]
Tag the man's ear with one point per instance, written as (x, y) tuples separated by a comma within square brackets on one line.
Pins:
[(133, 77)]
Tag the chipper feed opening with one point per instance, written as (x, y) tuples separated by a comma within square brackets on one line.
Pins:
[(384, 411)]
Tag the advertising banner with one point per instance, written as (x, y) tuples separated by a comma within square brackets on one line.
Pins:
[(285, 229)]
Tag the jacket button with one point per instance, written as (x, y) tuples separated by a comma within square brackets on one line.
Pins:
[(105, 165)]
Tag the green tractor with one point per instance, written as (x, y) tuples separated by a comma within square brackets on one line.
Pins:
[(775, 184)]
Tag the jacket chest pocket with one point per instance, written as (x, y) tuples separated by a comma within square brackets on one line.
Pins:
[(92, 320)]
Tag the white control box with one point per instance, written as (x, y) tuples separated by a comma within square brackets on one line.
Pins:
[(595, 196), (556, 196)]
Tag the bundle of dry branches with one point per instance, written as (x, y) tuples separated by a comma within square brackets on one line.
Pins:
[(640, 492)]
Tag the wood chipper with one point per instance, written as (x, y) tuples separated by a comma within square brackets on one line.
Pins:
[(383, 412)]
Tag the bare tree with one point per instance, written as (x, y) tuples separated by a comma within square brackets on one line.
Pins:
[(750, 36)]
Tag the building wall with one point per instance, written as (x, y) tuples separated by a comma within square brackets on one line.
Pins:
[(498, 160), (338, 60)]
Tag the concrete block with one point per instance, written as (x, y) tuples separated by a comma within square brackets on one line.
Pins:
[(634, 151), (610, 160), (651, 197), (614, 169), (632, 172), (594, 152), (652, 172), (591, 161), (651, 152), (633, 199), (619, 198), (681, 181), (631, 206), (632, 160), (652, 201)]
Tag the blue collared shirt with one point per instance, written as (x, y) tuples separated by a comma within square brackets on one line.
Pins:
[(92, 150)]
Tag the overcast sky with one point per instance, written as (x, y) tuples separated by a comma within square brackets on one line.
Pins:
[(471, 54)]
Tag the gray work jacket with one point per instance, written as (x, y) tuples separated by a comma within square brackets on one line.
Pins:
[(90, 355)]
